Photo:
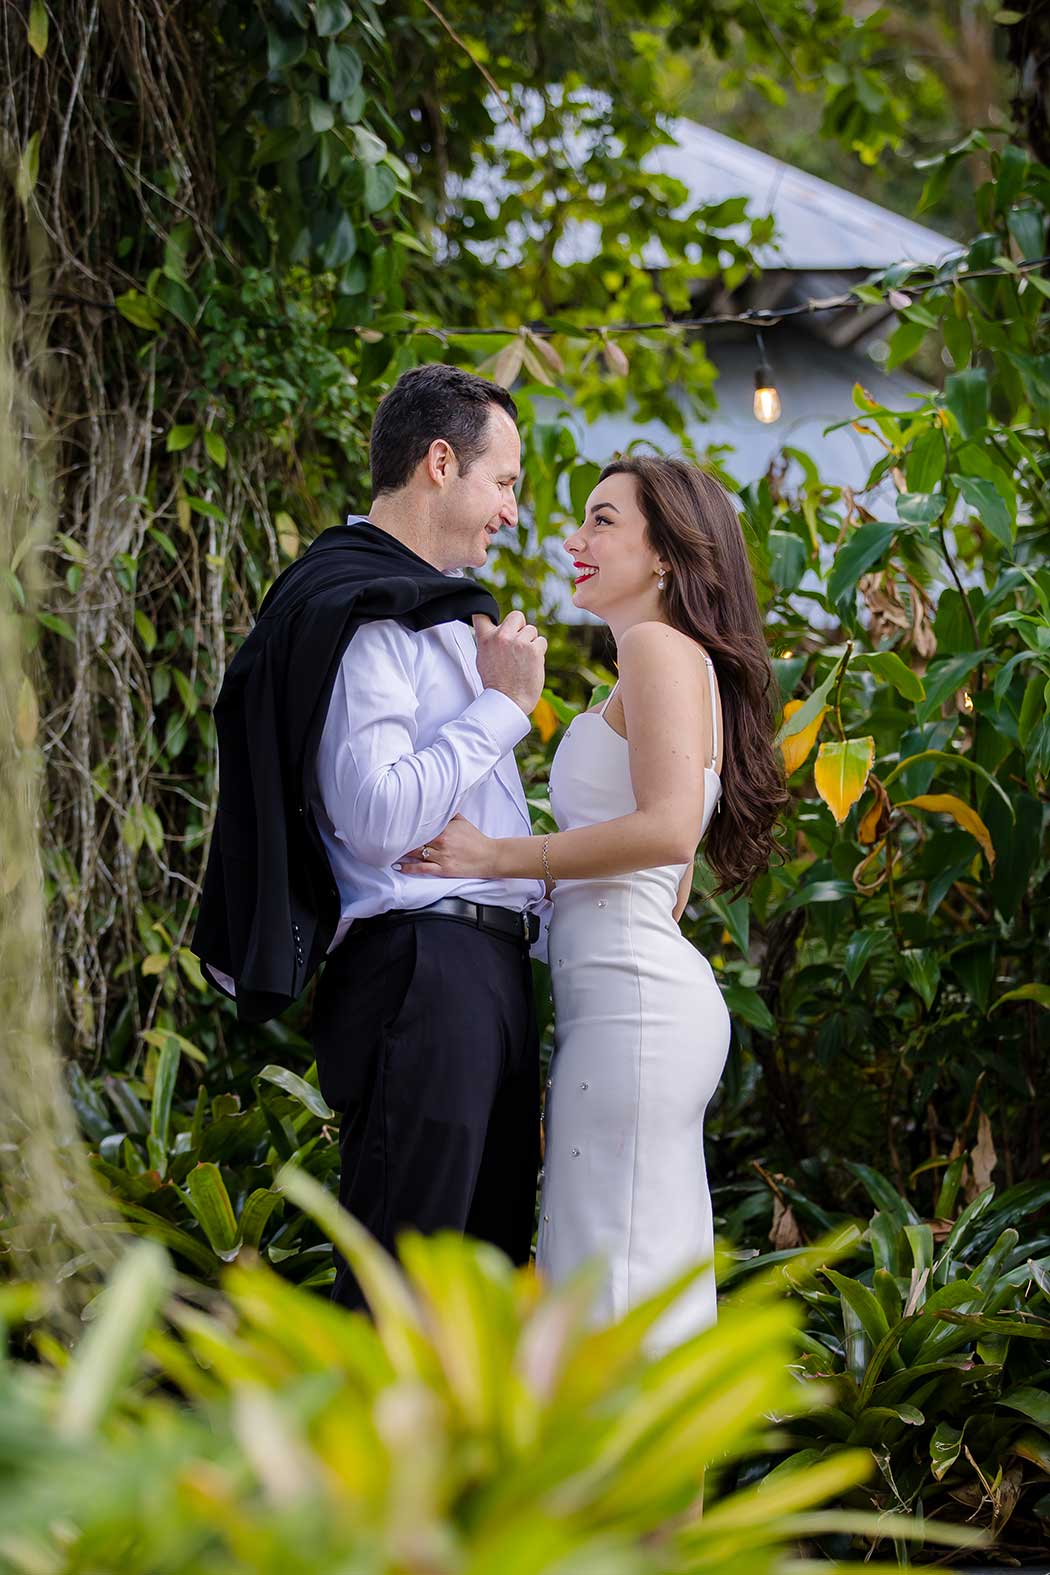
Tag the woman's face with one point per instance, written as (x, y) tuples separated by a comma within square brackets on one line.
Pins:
[(615, 568)]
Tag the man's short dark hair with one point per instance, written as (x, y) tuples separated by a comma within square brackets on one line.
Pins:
[(427, 403)]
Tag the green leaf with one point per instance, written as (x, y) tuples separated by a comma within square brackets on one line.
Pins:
[(165, 542), (37, 28), (196, 1253), (212, 1209), (818, 891), (57, 625), (345, 71), (284, 50), (884, 1195), (966, 395), (945, 1447), (582, 481), (167, 1071), (860, 948), (138, 309), (749, 1007), (180, 437), (926, 461), (903, 344), (146, 631), (334, 239), (331, 16), (1032, 1403), (1013, 167), (862, 550), (960, 1230), (923, 973), (256, 1213), (988, 504), (210, 510), (216, 449), (1039, 993), (297, 1087), (787, 559), (944, 678), (920, 508), (380, 187), (865, 1305), (112, 1344), (736, 916), (888, 666), (813, 704)]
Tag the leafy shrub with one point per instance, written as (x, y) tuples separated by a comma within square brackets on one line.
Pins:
[(934, 1337), (202, 1179)]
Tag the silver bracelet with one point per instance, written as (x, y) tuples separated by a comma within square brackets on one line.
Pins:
[(546, 865)]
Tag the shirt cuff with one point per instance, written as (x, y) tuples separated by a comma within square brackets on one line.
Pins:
[(501, 718)]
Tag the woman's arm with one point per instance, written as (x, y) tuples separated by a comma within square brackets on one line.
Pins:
[(667, 706)]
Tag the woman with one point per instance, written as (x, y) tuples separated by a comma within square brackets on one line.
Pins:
[(682, 748)]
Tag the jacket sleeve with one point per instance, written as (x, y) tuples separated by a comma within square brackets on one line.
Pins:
[(383, 792)]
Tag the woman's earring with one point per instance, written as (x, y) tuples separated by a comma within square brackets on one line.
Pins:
[(660, 581)]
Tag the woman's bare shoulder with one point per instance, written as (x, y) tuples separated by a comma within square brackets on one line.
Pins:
[(652, 645)]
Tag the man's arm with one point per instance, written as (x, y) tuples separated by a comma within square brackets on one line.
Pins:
[(382, 793)]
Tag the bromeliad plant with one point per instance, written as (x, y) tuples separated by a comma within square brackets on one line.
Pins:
[(478, 1426), (200, 1177), (935, 1336)]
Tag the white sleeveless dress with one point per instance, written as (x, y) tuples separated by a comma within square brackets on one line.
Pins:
[(641, 1038)]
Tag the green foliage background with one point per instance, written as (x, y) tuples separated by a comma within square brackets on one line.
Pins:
[(226, 230), (270, 231)]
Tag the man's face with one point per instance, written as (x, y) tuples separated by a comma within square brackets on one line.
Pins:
[(475, 506)]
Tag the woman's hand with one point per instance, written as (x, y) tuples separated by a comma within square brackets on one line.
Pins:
[(461, 849)]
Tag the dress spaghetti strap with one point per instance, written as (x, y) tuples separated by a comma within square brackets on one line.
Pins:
[(714, 712)]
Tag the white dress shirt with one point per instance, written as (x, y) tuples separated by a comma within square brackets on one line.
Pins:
[(412, 738)]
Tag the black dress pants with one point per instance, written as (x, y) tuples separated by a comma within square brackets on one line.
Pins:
[(425, 1037)]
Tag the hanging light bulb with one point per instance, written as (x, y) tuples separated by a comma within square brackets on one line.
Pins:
[(767, 400)]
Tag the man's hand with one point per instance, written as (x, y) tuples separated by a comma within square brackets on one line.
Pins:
[(510, 658)]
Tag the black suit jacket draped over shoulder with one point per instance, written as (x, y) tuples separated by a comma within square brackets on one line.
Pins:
[(270, 906)]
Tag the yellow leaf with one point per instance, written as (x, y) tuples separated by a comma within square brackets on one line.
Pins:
[(968, 819), (875, 820), (545, 720), (841, 772), (156, 962), (287, 534), (38, 28), (796, 749), (28, 169)]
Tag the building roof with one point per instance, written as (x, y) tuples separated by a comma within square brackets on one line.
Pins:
[(819, 226)]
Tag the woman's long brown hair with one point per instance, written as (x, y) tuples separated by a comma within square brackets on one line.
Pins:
[(710, 596)]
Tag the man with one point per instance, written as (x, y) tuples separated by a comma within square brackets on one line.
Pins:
[(423, 1023)]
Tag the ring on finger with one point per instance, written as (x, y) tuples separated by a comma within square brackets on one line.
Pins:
[(425, 853)]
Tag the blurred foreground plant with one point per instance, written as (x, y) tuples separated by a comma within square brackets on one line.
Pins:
[(478, 1425)]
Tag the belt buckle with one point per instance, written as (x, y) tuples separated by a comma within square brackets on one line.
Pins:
[(525, 927)]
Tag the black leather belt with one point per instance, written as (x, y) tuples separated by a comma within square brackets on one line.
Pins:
[(509, 925)]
